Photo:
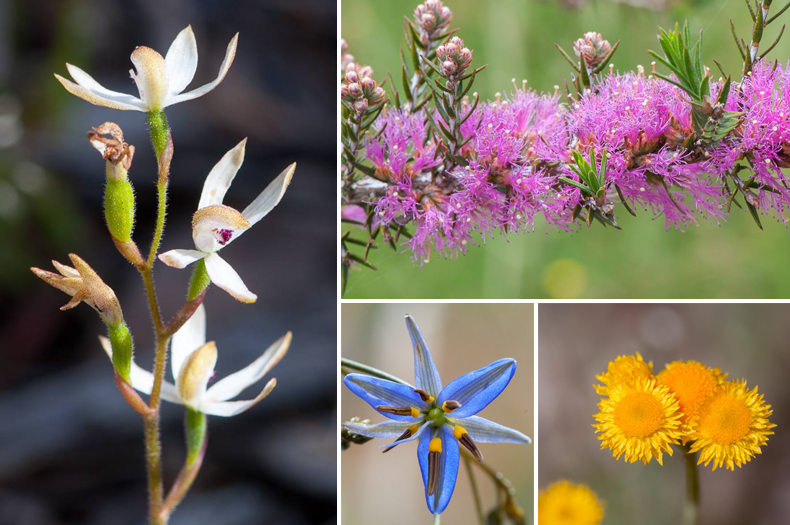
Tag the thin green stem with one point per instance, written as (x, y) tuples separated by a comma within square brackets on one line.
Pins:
[(437, 519), (153, 454), (161, 188), (475, 492), (375, 372), (691, 510)]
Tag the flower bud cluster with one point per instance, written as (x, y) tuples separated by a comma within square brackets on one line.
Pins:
[(592, 48), (432, 17), (361, 92), (454, 57), (348, 63)]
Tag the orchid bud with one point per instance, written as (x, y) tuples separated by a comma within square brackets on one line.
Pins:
[(195, 426), (118, 193), (122, 349), (592, 49)]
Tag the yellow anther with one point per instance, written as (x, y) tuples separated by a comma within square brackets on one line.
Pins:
[(450, 405), (415, 412), (459, 431), (435, 445), (413, 429)]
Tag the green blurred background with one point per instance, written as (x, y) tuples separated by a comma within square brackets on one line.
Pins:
[(388, 488), (747, 341), (516, 38)]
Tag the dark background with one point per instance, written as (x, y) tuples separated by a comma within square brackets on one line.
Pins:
[(71, 451)]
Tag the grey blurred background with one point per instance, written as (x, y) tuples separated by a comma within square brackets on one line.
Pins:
[(746, 341), (379, 488), (70, 450)]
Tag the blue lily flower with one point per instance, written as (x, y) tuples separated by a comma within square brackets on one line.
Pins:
[(440, 418)]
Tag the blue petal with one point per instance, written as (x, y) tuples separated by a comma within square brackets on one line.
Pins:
[(424, 426), (387, 429), (448, 467), (425, 374), (485, 431), (375, 392), (477, 389)]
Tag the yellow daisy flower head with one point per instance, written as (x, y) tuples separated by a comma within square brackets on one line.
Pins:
[(639, 421), (692, 383), (732, 426), (564, 503), (624, 369)]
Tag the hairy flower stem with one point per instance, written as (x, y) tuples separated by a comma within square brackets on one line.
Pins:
[(475, 491), (691, 510)]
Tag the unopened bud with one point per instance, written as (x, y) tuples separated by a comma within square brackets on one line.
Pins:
[(118, 193), (432, 18), (449, 67), (361, 105), (592, 48), (122, 349)]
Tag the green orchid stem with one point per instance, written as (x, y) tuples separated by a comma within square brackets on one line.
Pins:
[(369, 370), (197, 439), (475, 492), (691, 510)]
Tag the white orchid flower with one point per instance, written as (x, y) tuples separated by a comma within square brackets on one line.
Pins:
[(215, 225), (193, 361), (160, 81)]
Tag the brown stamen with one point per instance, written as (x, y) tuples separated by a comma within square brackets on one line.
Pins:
[(433, 471), (424, 395), (405, 435), (398, 411), (471, 446)]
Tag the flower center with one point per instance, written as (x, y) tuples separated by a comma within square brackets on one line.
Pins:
[(726, 420), (436, 417), (638, 415), (692, 383)]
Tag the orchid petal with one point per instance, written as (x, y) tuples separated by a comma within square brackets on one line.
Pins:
[(150, 77), (485, 431), (188, 338), (231, 408), (143, 380), (477, 389), (425, 374), (387, 429), (181, 61), (85, 80), (98, 95), (223, 275), (270, 197), (180, 258), (194, 374), (230, 54), (376, 392), (214, 226), (232, 385), (221, 176), (448, 467)]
